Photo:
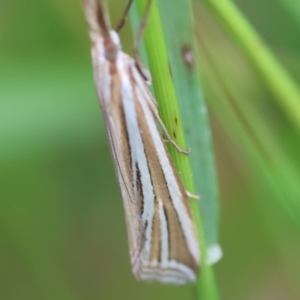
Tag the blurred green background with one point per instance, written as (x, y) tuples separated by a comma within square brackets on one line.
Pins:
[(62, 228)]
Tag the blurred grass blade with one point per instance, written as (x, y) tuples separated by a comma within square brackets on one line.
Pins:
[(278, 81), (178, 31), (169, 112), (293, 8), (248, 129)]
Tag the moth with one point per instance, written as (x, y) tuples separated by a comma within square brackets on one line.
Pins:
[(162, 236)]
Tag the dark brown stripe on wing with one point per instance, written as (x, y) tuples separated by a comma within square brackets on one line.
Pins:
[(139, 187), (118, 116), (155, 252)]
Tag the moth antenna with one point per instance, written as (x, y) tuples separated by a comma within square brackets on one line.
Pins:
[(124, 15)]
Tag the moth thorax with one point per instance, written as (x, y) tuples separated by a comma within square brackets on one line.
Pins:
[(111, 51), (112, 46)]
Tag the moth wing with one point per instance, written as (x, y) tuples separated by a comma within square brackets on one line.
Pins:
[(171, 250), (109, 91)]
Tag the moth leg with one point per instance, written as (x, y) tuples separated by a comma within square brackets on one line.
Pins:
[(169, 139), (124, 15), (153, 99), (154, 110), (193, 196), (186, 152)]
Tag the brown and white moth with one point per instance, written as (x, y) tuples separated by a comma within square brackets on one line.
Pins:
[(162, 235)]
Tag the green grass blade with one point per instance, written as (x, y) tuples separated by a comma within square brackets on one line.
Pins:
[(293, 8), (248, 129), (178, 29), (166, 95)]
